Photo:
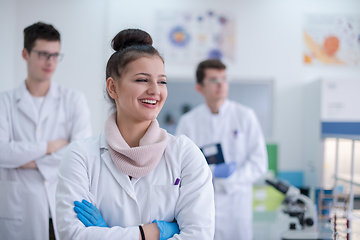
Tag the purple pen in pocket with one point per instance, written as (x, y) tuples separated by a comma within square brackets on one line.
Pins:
[(177, 181)]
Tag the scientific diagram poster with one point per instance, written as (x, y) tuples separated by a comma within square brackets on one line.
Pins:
[(332, 40), (193, 36)]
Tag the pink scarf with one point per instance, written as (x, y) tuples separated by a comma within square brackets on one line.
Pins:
[(137, 161)]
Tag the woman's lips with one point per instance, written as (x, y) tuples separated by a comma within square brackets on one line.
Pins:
[(149, 103)]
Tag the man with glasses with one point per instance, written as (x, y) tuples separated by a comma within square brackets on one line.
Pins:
[(37, 122), (231, 139)]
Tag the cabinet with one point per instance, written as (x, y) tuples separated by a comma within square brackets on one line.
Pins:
[(331, 137), (331, 110)]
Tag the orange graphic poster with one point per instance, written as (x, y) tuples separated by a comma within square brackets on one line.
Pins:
[(332, 40)]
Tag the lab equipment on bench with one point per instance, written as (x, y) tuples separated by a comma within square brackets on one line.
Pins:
[(301, 207)]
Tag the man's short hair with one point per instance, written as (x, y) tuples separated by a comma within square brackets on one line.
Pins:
[(211, 63), (39, 30)]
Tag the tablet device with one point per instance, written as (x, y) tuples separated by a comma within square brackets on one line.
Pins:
[(213, 153)]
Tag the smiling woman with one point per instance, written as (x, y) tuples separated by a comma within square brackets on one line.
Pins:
[(135, 180), (140, 93)]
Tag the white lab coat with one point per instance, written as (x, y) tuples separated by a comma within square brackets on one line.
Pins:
[(87, 172), (26, 195), (238, 131)]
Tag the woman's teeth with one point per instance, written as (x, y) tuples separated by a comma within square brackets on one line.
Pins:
[(153, 102)]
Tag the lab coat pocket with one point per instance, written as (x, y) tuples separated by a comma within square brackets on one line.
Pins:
[(10, 200), (163, 200)]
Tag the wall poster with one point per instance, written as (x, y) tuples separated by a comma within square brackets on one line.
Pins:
[(193, 36), (332, 40)]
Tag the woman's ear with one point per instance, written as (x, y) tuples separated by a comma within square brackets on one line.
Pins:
[(111, 87)]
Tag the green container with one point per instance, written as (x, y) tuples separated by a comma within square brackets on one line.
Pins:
[(272, 150)]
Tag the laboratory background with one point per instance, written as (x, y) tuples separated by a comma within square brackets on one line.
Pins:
[(295, 62)]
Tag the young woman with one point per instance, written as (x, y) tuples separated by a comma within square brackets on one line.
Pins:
[(135, 181)]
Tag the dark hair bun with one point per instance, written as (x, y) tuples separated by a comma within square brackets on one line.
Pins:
[(130, 37)]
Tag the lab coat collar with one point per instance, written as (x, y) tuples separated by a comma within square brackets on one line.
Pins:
[(122, 179), (103, 143), (222, 108), (49, 105), (54, 91), (22, 91), (26, 103)]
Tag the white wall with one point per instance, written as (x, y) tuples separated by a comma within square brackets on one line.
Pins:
[(81, 25), (7, 46), (269, 45)]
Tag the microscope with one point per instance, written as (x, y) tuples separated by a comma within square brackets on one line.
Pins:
[(301, 207)]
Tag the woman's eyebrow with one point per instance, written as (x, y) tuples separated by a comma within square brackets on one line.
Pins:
[(149, 75), (146, 74)]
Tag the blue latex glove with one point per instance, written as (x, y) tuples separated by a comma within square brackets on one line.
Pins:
[(167, 230), (88, 214), (224, 170)]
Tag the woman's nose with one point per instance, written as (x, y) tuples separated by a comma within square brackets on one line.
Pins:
[(153, 89)]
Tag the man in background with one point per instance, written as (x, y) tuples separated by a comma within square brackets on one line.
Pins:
[(37, 121), (231, 139)]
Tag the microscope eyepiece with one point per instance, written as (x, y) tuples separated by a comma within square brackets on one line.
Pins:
[(278, 185)]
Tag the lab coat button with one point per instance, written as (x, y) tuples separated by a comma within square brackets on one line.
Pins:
[(46, 183)]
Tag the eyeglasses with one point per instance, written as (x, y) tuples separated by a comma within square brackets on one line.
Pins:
[(45, 56), (217, 80)]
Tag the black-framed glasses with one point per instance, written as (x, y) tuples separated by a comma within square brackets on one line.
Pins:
[(45, 56)]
